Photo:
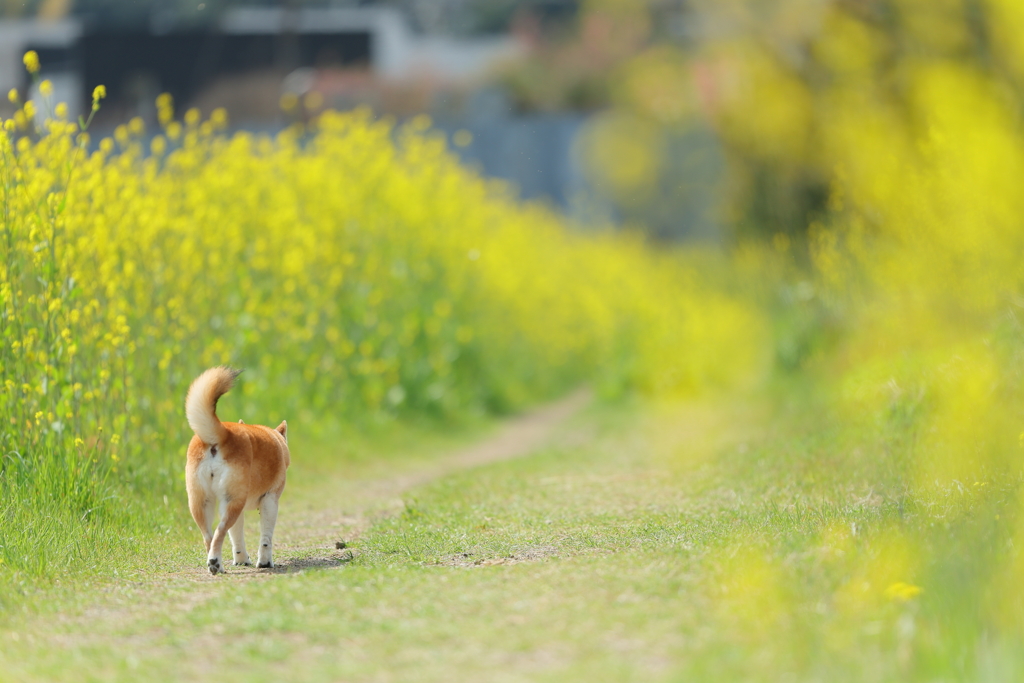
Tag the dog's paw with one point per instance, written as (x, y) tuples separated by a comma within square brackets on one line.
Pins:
[(246, 563), (214, 566), (266, 565)]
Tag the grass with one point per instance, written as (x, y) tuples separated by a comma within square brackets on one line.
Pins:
[(139, 530), (644, 543)]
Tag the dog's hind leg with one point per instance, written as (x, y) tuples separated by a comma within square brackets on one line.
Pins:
[(202, 512), (237, 534), (230, 513), (268, 518)]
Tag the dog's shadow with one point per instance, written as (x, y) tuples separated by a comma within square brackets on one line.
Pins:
[(291, 565)]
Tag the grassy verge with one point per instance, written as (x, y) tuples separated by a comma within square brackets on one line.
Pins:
[(139, 531), (672, 543)]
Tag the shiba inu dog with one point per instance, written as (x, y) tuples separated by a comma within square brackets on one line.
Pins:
[(235, 466)]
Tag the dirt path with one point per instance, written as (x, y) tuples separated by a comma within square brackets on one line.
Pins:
[(309, 531)]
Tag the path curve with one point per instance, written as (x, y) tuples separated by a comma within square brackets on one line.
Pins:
[(307, 539)]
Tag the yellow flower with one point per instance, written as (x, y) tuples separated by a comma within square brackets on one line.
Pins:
[(46, 88), (313, 100), (902, 591), (31, 60), (165, 115), (12, 95), (61, 110), (421, 122), (98, 93), (443, 308), (289, 101), (30, 109), (79, 443), (219, 117)]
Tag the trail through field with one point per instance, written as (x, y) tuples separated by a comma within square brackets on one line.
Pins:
[(341, 512), (313, 522), (572, 543), (634, 542)]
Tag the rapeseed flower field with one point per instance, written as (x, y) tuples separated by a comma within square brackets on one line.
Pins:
[(872, 198), (353, 267)]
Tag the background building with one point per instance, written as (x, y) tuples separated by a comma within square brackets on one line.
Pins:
[(528, 79)]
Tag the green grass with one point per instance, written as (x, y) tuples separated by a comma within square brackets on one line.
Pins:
[(143, 524), (715, 541)]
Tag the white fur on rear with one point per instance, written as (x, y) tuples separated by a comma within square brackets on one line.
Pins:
[(201, 403)]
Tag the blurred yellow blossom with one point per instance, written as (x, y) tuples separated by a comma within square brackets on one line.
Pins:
[(219, 117), (313, 100), (902, 591), (289, 101), (31, 61)]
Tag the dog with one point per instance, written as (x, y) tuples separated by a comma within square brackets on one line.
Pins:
[(235, 466)]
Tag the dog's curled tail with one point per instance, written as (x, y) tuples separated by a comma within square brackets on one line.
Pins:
[(201, 403)]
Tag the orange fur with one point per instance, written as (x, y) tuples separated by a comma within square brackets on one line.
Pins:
[(234, 465)]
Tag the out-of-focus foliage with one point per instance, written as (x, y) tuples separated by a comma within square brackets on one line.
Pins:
[(875, 151), (353, 269), (904, 117), (572, 71), (642, 152), (774, 80), (874, 156)]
